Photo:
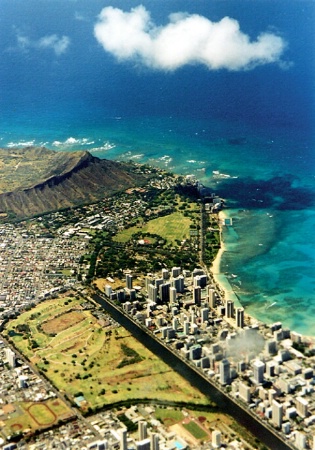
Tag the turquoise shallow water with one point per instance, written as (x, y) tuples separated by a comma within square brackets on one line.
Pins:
[(247, 134), (272, 256), (270, 248)]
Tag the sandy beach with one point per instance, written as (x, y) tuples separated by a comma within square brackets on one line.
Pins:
[(221, 281)]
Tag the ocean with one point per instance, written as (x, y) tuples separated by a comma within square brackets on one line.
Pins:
[(248, 133)]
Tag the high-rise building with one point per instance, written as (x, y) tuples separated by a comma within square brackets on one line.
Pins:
[(158, 282), (203, 281), (272, 394), (300, 440), (11, 358), (165, 274), (204, 314), (229, 309), (128, 281), (270, 368), (244, 392), (155, 441), (224, 368), (211, 297), (240, 317), (197, 272), (142, 430), (148, 280), (164, 292), (259, 369), (186, 327), (195, 352), (127, 307), (176, 271), (121, 295), (123, 439), (216, 438), (145, 444), (277, 413), (197, 281), (179, 284), (173, 293), (152, 293), (200, 280), (102, 445), (271, 347), (197, 295), (108, 290), (301, 406)]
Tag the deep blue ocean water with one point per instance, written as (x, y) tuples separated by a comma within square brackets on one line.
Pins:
[(254, 126)]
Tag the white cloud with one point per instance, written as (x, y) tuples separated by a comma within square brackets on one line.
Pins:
[(58, 44), (23, 41), (186, 39)]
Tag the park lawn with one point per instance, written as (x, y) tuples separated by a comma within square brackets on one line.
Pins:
[(195, 430), (85, 357), (172, 227), (41, 414), (59, 408), (125, 235), (67, 272), (29, 415), (168, 416)]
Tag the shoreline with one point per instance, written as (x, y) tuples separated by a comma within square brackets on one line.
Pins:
[(222, 283)]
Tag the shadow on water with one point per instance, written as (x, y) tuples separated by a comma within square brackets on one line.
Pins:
[(277, 193)]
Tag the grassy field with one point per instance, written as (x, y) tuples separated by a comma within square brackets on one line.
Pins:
[(32, 416), (195, 430), (171, 227), (80, 356), (168, 416)]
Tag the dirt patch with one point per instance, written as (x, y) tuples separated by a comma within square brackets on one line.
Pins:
[(168, 421), (63, 322), (16, 427), (8, 409)]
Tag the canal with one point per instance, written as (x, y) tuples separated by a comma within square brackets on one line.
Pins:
[(226, 404)]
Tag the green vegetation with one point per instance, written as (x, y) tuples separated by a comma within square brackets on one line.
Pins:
[(32, 416), (195, 430), (131, 426), (132, 356), (173, 227), (168, 415), (106, 365), (247, 436)]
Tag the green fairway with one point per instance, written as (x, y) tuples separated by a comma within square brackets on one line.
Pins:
[(172, 227), (105, 364)]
